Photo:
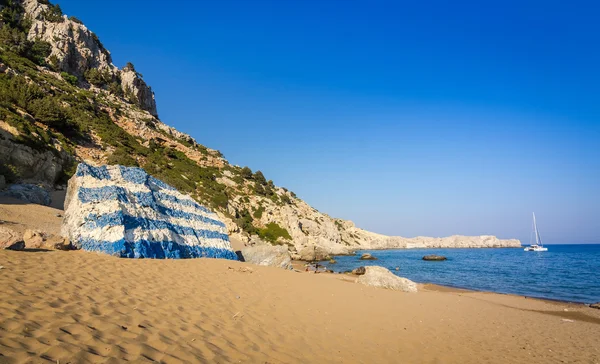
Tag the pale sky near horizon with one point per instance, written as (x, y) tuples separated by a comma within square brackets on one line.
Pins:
[(406, 118)]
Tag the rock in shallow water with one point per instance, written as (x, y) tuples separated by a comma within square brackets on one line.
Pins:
[(434, 257), (380, 277), (367, 256), (125, 212)]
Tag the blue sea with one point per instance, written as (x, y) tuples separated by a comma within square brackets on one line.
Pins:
[(565, 272)]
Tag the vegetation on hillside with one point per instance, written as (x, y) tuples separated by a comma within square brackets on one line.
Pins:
[(53, 113)]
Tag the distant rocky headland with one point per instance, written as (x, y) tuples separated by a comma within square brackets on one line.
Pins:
[(63, 101)]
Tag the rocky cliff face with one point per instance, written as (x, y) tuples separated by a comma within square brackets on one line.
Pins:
[(142, 94), (75, 49), (44, 166), (99, 125)]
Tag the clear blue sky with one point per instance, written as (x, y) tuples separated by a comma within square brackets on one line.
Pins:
[(409, 118)]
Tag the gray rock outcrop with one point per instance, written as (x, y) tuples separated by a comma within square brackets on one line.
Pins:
[(42, 166), (376, 276), (311, 253), (29, 193), (137, 88), (268, 255)]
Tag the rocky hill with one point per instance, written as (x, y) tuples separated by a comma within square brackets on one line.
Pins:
[(62, 101)]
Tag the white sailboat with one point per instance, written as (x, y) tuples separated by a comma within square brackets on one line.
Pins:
[(538, 246)]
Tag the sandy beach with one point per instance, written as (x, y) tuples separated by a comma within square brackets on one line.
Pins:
[(72, 307)]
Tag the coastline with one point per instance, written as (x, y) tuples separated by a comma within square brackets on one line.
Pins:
[(504, 271), (299, 266)]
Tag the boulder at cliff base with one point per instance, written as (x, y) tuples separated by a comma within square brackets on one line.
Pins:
[(125, 212)]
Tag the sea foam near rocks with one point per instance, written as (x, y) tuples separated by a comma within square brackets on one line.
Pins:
[(125, 212)]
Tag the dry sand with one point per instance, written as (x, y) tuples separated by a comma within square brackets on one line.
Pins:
[(20, 216), (73, 307)]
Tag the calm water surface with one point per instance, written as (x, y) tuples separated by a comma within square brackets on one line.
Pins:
[(565, 272)]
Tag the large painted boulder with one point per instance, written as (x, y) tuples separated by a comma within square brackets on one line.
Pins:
[(125, 212)]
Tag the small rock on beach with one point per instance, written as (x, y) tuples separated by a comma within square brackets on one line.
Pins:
[(11, 240), (359, 271), (381, 277)]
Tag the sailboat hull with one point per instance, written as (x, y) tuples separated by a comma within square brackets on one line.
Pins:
[(536, 249)]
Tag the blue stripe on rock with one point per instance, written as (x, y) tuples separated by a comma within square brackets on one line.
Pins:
[(152, 249), (188, 216), (148, 199), (133, 174), (183, 202), (94, 220), (84, 169), (129, 223), (101, 194)]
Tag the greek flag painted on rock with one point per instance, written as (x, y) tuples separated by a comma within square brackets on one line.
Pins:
[(125, 212)]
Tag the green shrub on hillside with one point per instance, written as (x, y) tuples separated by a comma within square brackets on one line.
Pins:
[(285, 199), (246, 173), (48, 111), (259, 212), (13, 40), (98, 78), (17, 90), (69, 78), (116, 89), (53, 14), (39, 51), (259, 177), (244, 220), (120, 156), (259, 189), (11, 14), (76, 20), (272, 232)]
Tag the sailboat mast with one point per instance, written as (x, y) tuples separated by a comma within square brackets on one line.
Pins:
[(538, 241)]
